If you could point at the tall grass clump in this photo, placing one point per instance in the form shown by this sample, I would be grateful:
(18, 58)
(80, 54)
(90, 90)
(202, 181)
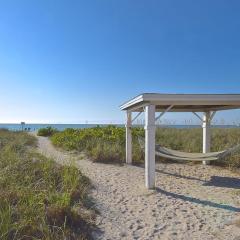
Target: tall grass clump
(190, 140)
(101, 144)
(46, 132)
(107, 144)
(39, 199)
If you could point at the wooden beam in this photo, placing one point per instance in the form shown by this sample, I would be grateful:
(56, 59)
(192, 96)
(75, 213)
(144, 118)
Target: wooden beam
(212, 115)
(129, 138)
(197, 116)
(161, 114)
(150, 146)
(206, 134)
(136, 117)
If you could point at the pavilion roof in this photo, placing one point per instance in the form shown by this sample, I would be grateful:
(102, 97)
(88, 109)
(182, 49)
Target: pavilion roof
(183, 102)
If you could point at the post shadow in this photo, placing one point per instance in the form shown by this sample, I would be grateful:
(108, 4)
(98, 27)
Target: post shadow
(198, 201)
(179, 176)
(224, 182)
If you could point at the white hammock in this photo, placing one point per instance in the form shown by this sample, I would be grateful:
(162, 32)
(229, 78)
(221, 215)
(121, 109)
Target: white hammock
(185, 156)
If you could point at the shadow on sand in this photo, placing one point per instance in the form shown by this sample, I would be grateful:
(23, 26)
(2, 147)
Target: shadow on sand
(215, 181)
(225, 182)
(175, 174)
(198, 201)
(179, 176)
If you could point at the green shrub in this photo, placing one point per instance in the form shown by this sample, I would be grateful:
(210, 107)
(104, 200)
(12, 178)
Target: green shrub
(39, 199)
(107, 144)
(102, 144)
(190, 140)
(46, 132)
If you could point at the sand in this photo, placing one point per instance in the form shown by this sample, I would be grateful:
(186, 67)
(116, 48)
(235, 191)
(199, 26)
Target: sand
(190, 201)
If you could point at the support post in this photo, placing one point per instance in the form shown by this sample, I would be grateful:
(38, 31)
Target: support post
(150, 146)
(206, 134)
(129, 138)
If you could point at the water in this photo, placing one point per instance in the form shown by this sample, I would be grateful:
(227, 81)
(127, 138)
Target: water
(60, 127)
(35, 127)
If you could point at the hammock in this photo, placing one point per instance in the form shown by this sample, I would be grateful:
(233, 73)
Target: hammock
(184, 156)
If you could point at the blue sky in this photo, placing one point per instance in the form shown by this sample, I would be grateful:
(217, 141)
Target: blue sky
(71, 61)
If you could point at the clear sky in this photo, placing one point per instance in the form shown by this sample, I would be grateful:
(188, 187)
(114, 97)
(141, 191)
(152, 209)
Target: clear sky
(71, 61)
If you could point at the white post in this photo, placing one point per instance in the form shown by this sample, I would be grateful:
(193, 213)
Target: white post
(150, 146)
(206, 134)
(129, 138)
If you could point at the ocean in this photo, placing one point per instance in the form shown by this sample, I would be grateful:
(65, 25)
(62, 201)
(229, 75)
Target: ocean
(60, 127)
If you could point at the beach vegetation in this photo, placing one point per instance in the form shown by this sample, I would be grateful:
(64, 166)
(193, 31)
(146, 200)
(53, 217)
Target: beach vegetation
(107, 144)
(101, 144)
(40, 199)
(46, 132)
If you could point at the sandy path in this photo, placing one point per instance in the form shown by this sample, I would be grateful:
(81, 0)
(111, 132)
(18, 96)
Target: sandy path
(190, 202)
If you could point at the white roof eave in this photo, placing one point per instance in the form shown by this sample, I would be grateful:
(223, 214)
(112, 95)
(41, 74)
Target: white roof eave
(221, 100)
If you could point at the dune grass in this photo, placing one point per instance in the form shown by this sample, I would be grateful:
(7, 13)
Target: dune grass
(40, 199)
(101, 144)
(107, 144)
(46, 132)
(190, 140)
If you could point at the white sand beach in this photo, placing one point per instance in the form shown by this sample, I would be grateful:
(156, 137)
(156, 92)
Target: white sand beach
(190, 201)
